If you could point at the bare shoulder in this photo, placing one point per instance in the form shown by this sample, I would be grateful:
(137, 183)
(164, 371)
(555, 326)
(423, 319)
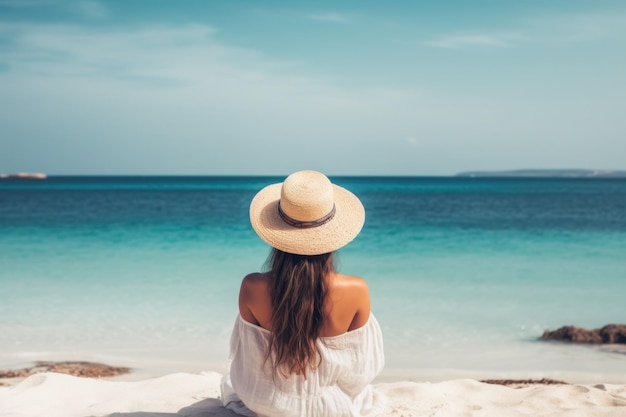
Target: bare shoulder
(255, 279)
(253, 298)
(352, 298)
(252, 285)
(352, 283)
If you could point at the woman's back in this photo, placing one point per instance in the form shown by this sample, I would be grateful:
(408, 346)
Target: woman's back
(338, 387)
(346, 308)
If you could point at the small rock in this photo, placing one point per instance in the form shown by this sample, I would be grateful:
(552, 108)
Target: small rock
(83, 369)
(522, 383)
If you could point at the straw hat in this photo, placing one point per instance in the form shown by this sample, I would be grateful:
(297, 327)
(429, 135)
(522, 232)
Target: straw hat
(306, 214)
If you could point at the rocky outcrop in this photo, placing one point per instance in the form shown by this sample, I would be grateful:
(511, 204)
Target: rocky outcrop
(546, 173)
(609, 334)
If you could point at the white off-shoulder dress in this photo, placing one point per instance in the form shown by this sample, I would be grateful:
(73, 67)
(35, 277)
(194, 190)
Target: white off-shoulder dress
(340, 386)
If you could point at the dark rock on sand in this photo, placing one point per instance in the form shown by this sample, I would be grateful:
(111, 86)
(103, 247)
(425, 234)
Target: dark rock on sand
(609, 334)
(83, 369)
(521, 383)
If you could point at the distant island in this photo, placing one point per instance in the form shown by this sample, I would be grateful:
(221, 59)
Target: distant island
(24, 176)
(547, 173)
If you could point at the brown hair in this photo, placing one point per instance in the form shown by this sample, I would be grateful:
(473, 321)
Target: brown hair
(298, 292)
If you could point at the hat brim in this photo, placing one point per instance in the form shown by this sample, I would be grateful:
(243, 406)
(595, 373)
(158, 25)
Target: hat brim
(339, 231)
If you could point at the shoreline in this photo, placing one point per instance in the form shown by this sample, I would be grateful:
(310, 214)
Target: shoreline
(118, 369)
(588, 364)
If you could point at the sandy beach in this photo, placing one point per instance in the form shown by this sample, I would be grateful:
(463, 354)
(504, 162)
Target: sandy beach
(55, 394)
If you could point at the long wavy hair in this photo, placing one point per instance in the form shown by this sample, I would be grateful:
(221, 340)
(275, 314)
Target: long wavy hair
(298, 292)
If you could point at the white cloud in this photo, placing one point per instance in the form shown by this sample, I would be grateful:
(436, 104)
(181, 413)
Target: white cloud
(576, 27)
(555, 30)
(332, 17)
(460, 41)
(92, 9)
(321, 16)
(66, 50)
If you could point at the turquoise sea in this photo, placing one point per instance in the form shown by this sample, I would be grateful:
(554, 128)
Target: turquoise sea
(465, 273)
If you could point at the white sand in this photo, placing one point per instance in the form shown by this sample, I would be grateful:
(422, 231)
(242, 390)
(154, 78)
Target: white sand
(197, 395)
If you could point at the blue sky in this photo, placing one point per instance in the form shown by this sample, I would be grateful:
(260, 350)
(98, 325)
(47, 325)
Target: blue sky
(353, 87)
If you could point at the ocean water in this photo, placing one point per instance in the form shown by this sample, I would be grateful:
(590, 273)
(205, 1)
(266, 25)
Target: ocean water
(465, 274)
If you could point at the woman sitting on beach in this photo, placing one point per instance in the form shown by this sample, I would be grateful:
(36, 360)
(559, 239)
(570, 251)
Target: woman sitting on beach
(304, 342)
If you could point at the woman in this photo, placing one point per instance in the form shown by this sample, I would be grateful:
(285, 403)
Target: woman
(305, 342)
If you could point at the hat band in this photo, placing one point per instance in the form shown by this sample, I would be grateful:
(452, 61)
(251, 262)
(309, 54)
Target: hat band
(305, 225)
